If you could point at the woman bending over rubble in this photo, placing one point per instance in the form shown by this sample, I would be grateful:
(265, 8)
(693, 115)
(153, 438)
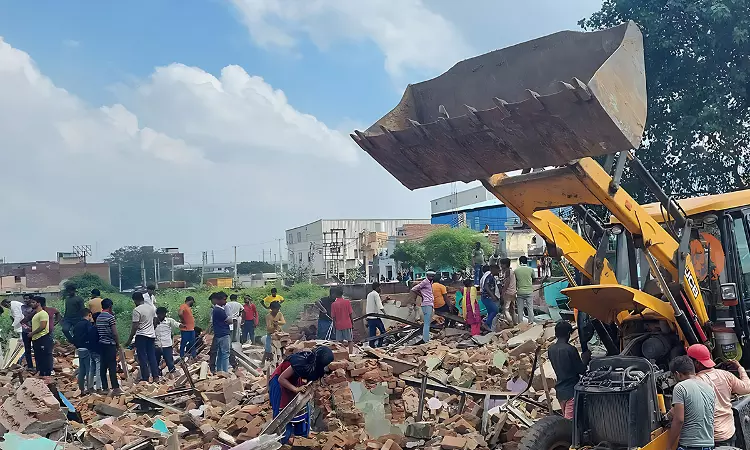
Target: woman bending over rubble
(287, 381)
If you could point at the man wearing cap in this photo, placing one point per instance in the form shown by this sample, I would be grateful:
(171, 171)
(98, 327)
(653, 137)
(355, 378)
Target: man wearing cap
(568, 366)
(724, 384)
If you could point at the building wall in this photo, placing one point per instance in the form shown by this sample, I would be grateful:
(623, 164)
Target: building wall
(460, 199)
(306, 241)
(46, 275)
(496, 217)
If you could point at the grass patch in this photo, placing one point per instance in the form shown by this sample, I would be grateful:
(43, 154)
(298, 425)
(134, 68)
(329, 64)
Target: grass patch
(294, 300)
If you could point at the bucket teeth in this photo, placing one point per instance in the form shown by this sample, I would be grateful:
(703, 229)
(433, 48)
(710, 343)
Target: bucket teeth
(534, 96)
(443, 112)
(502, 106)
(581, 90)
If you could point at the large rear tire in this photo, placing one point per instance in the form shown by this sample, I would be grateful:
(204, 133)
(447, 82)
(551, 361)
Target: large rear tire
(548, 433)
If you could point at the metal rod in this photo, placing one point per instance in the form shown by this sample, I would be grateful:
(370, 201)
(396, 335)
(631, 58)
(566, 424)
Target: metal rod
(673, 209)
(422, 392)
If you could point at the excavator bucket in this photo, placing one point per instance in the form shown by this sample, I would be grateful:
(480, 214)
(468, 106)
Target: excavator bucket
(539, 103)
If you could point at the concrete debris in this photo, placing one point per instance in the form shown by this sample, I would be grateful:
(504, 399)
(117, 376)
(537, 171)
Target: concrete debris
(369, 401)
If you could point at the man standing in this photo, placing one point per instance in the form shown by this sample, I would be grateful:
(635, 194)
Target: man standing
(16, 313)
(95, 304)
(142, 329)
(82, 335)
(568, 366)
(424, 290)
(250, 320)
(109, 343)
(524, 287)
(343, 319)
(149, 297)
(325, 322)
(27, 313)
(509, 288)
(725, 384)
(274, 297)
(692, 408)
(234, 312)
(274, 322)
(477, 258)
(375, 306)
(73, 310)
(41, 339)
(220, 322)
(187, 327)
(489, 294)
(164, 344)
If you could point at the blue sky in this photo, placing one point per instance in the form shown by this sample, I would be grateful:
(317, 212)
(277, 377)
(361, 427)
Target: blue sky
(214, 123)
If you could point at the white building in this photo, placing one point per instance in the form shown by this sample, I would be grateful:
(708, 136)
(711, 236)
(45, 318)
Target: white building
(474, 197)
(331, 247)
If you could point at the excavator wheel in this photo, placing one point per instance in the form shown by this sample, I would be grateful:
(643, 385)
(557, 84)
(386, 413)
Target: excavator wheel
(549, 433)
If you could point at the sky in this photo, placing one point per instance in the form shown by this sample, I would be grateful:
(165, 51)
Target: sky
(210, 124)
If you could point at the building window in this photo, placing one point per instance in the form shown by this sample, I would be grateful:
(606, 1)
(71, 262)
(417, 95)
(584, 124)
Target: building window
(289, 239)
(300, 258)
(299, 236)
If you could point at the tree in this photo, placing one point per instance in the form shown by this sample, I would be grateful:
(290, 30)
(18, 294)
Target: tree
(698, 83)
(452, 247)
(128, 259)
(409, 254)
(249, 267)
(85, 282)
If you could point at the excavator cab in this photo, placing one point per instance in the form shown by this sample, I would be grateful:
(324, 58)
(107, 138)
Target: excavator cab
(567, 111)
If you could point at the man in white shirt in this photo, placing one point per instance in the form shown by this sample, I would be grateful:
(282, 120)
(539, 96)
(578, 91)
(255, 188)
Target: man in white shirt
(164, 343)
(375, 306)
(150, 296)
(234, 309)
(142, 329)
(16, 313)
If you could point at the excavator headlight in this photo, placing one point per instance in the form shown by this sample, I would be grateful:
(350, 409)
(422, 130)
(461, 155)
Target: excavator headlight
(729, 294)
(616, 229)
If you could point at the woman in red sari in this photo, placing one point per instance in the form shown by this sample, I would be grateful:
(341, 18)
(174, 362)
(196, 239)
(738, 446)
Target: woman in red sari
(470, 309)
(290, 378)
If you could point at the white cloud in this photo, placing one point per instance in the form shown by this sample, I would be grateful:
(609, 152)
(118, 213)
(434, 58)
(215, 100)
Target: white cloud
(410, 35)
(186, 159)
(71, 43)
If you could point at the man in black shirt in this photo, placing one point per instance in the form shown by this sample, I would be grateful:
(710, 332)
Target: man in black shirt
(568, 366)
(73, 310)
(324, 315)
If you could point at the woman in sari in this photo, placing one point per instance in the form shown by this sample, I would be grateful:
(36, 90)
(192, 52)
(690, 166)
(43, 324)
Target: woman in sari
(290, 378)
(470, 307)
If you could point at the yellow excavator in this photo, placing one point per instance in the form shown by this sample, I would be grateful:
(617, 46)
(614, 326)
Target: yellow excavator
(554, 123)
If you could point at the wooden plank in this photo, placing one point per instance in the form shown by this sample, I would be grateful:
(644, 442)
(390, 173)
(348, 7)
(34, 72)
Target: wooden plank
(124, 364)
(285, 415)
(203, 373)
(437, 387)
(142, 398)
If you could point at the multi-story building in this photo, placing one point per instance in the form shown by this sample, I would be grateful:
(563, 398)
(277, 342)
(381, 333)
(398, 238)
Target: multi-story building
(47, 276)
(475, 208)
(332, 247)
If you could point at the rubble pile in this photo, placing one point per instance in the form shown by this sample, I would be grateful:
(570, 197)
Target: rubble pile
(454, 392)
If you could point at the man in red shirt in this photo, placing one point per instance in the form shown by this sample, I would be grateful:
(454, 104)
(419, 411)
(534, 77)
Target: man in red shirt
(343, 318)
(249, 320)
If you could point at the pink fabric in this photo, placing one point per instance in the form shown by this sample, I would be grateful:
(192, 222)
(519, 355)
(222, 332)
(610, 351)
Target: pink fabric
(473, 317)
(567, 408)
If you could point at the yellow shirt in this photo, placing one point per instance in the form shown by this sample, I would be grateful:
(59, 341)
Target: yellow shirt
(274, 323)
(95, 305)
(268, 300)
(36, 322)
(439, 292)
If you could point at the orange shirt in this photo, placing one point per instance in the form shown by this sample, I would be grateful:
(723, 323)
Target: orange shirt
(439, 292)
(188, 321)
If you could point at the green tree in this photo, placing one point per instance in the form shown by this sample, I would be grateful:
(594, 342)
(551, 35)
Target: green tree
(128, 259)
(452, 247)
(698, 83)
(249, 267)
(85, 282)
(410, 254)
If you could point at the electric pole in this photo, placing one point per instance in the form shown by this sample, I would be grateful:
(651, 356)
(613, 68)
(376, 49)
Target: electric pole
(204, 260)
(236, 275)
(213, 261)
(156, 271)
(143, 272)
(172, 268)
(119, 275)
(280, 259)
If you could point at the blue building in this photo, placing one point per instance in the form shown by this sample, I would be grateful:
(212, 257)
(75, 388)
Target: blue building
(476, 208)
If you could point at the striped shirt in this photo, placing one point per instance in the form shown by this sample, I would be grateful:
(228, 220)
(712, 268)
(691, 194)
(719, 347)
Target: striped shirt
(104, 323)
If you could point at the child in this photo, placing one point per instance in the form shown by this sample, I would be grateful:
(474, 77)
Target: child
(82, 335)
(343, 319)
(163, 327)
(274, 321)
